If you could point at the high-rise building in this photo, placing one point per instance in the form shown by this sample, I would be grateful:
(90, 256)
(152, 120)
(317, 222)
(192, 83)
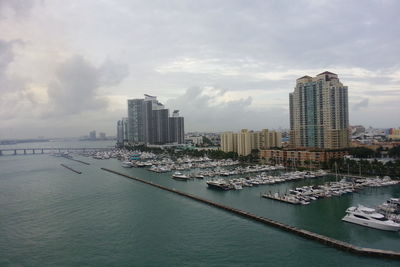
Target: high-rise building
(149, 122)
(319, 114)
(125, 125)
(176, 128)
(92, 135)
(122, 131)
(102, 136)
(245, 141)
(137, 127)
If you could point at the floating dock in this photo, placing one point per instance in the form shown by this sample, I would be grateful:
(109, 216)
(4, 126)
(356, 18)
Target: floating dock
(69, 168)
(270, 196)
(300, 232)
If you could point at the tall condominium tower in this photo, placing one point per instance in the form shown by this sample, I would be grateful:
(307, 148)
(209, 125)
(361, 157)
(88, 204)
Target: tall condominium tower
(319, 115)
(149, 122)
(122, 131)
(137, 125)
(176, 128)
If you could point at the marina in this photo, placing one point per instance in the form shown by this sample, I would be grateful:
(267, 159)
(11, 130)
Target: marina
(303, 195)
(300, 232)
(263, 179)
(312, 218)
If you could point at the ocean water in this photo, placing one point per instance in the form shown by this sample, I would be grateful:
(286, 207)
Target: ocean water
(50, 216)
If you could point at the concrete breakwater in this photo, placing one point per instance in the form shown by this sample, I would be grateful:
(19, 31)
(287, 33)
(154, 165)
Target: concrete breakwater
(77, 160)
(69, 168)
(300, 232)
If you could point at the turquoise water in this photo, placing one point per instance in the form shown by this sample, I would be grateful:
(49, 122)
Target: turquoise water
(52, 216)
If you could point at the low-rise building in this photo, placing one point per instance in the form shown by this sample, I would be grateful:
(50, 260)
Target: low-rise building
(300, 157)
(245, 141)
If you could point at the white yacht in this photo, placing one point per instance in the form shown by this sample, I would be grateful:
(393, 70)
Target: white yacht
(127, 164)
(369, 217)
(180, 176)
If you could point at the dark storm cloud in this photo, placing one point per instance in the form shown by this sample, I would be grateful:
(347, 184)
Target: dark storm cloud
(76, 86)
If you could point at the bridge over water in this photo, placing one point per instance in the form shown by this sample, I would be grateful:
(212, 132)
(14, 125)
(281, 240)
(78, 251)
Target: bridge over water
(48, 150)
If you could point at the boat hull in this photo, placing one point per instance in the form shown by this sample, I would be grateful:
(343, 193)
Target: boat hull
(371, 224)
(218, 187)
(180, 178)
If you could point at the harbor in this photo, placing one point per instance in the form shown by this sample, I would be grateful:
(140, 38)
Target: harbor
(300, 232)
(303, 195)
(312, 218)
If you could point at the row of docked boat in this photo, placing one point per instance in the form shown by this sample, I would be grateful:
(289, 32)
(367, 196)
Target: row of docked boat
(391, 208)
(262, 179)
(160, 166)
(240, 170)
(122, 154)
(303, 195)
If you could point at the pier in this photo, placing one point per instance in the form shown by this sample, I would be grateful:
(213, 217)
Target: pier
(282, 199)
(297, 231)
(69, 168)
(47, 150)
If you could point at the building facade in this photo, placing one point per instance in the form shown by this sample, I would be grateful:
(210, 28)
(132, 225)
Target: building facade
(300, 157)
(176, 128)
(149, 123)
(122, 131)
(137, 126)
(319, 114)
(245, 141)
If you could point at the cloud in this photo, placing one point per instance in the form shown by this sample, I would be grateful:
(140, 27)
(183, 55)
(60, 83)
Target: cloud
(244, 58)
(112, 73)
(76, 86)
(363, 104)
(18, 7)
(208, 109)
(8, 82)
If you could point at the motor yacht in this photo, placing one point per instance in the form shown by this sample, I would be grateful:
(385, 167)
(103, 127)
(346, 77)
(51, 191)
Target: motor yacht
(127, 164)
(370, 218)
(180, 176)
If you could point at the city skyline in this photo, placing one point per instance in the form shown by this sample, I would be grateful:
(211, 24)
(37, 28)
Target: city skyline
(65, 71)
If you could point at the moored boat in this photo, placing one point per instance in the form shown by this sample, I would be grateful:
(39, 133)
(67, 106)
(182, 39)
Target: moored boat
(370, 218)
(180, 176)
(127, 164)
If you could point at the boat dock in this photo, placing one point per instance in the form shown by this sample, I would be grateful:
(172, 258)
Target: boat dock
(282, 199)
(69, 168)
(297, 231)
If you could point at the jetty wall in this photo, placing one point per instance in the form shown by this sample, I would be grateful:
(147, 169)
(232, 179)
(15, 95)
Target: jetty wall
(69, 168)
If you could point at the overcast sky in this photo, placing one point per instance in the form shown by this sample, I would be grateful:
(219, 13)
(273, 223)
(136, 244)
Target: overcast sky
(68, 67)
